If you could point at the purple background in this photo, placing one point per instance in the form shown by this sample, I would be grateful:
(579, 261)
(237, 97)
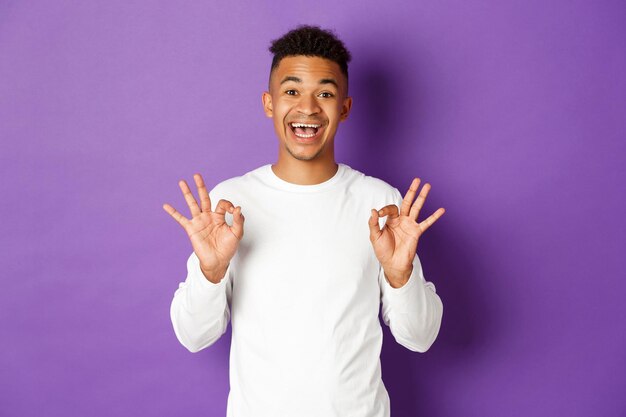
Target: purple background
(514, 112)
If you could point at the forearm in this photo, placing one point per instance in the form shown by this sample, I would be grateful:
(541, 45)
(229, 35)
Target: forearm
(413, 311)
(199, 310)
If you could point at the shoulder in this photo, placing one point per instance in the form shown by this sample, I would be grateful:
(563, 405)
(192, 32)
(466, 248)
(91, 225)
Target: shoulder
(233, 186)
(378, 188)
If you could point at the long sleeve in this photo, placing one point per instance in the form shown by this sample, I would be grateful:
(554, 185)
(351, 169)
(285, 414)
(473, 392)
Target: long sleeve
(414, 311)
(200, 309)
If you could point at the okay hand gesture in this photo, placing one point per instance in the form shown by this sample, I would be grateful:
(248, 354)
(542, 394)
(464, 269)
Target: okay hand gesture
(396, 243)
(213, 240)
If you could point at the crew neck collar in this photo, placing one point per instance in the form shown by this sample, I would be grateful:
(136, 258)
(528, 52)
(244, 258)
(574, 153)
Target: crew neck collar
(278, 182)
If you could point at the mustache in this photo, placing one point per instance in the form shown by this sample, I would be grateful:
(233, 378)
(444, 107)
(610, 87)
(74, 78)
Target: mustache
(307, 121)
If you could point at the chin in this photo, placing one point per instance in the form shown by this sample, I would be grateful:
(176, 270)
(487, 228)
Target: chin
(304, 156)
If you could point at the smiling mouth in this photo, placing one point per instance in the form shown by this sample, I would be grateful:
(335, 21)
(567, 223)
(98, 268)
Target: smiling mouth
(304, 130)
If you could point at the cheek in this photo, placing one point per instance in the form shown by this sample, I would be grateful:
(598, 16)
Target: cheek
(333, 110)
(334, 116)
(281, 110)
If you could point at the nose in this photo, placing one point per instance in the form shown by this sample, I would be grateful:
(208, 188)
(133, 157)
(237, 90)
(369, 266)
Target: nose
(308, 104)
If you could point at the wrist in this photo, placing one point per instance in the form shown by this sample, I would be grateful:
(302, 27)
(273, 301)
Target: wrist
(214, 274)
(397, 278)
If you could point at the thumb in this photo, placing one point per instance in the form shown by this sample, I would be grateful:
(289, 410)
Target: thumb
(238, 220)
(373, 224)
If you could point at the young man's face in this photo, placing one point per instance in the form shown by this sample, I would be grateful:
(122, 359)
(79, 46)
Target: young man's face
(309, 90)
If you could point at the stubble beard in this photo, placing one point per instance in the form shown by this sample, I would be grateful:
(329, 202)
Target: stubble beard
(303, 157)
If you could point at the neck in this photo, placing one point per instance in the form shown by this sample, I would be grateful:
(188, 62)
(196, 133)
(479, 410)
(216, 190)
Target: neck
(301, 172)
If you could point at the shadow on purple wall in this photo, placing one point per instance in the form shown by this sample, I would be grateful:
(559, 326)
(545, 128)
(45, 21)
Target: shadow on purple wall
(390, 105)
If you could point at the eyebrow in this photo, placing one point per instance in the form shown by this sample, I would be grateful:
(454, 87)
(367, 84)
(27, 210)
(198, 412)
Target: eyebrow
(299, 80)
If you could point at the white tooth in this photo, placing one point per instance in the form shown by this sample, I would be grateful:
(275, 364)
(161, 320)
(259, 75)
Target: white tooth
(304, 125)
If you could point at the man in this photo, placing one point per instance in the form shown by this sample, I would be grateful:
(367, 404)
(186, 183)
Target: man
(302, 287)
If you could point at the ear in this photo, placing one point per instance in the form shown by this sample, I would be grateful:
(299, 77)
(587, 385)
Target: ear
(267, 104)
(345, 109)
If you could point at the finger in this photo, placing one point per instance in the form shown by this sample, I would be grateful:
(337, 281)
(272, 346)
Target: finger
(205, 200)
(182, 220)
(189, 198)
(373, 225)
(431, 219)
(391, 210)
(419, 202)
(238, 220)
(408, 198)
(224, 206)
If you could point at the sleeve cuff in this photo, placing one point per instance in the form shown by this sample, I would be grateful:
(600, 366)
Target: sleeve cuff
(408, 297)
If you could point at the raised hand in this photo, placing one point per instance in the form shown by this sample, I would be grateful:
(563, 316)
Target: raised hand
(396, 243)
(213, 240)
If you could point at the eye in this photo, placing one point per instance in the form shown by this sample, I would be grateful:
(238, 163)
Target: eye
(291, 91)
(328, 94)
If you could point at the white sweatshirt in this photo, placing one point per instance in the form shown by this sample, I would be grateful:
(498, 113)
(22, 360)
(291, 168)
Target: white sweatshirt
(302, 295)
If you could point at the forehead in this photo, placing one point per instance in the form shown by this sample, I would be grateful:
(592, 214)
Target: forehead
(308, 68)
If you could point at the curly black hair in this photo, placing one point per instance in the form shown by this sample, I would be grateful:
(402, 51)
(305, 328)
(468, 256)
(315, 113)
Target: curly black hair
(311, 40)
